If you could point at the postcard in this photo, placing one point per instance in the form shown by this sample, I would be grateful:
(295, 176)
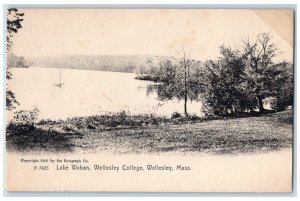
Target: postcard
(149, 100)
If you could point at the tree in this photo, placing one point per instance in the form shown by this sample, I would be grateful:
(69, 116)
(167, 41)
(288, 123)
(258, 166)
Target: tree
(185, 63)
(239, 81)
(224, 83)
(141, 70)
(260, 56)
(14, 19)
(13, 60)
(282, 83)
(13, 23)
(177, 79)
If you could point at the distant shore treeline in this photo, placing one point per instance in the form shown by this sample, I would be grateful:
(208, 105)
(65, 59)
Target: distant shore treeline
(13, 60)
(120, 63)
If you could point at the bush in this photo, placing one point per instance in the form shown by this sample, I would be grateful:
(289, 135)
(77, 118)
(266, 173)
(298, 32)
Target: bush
(25, 117)
(176, 115)
(194, 117)
(19, 129)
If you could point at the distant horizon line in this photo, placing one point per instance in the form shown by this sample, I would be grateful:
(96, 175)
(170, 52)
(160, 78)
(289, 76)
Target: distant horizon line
(140, 55)
(75, 69)
(113, 55)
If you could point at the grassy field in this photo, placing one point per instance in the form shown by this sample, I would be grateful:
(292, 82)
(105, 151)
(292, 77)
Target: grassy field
(121, 133)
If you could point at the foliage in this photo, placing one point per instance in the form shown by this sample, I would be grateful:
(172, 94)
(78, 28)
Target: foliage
(175, 115)
(224, 78)
(259, 72)
(282, 84)
(179, 79)
(14, 19)
(239, 81)
(23, 122)
(10, 100)
(25, 117)
(13, 24)
(16, 61)
(234, 83)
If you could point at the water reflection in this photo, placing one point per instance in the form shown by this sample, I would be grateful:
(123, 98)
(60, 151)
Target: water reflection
(166, 92)
(168, 95)
(150, 89)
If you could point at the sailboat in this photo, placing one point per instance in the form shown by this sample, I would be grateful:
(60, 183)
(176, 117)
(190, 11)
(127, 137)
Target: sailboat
(60, 84)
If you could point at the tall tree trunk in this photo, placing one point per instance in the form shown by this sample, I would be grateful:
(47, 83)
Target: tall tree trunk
(185, 91)
(185, 105)
(186, 74)
(260, 104)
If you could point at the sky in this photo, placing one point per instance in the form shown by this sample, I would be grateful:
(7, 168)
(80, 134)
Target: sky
(49, 32)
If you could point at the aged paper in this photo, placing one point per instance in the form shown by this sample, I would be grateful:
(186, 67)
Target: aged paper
(149, 100)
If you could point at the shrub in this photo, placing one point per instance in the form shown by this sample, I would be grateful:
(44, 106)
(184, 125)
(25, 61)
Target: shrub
(25, 117)
(175, 115)
(19, 129)
(193, 117)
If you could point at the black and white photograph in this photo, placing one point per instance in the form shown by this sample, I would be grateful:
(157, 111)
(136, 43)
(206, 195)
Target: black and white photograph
(149, 100)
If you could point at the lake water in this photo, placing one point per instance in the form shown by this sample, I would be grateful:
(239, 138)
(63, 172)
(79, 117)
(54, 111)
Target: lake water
(89, 93)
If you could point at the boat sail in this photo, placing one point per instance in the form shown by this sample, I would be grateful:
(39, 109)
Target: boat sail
(60, 84)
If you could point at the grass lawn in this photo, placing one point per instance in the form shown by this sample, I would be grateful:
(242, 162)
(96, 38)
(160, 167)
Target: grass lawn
(147, 134)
